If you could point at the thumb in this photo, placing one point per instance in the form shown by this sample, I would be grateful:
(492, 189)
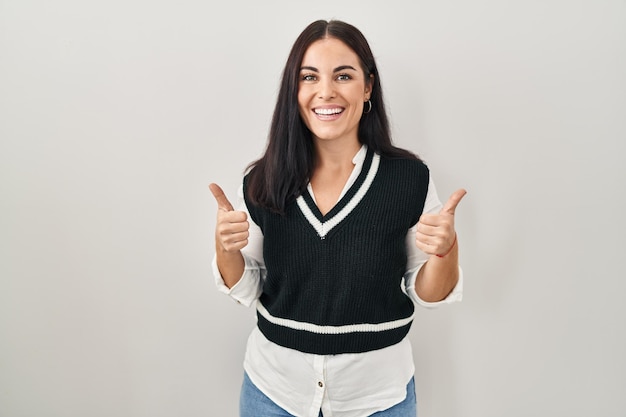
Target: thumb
(453, 201)
(220, 197)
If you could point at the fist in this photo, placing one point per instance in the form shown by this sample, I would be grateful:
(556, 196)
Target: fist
(435, 232)
(231, 229)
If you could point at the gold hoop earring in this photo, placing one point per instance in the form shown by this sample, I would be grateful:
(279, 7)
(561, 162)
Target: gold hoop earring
(370, 107)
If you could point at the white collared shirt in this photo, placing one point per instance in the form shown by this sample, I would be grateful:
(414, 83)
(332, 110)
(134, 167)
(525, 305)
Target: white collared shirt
(344, 385)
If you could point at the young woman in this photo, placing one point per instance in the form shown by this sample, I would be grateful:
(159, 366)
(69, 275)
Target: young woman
(339, 234)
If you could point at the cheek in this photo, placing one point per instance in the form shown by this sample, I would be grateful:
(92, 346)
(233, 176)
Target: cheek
(302, 102)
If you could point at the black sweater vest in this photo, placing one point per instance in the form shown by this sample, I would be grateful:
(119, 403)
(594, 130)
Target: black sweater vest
(333, 282)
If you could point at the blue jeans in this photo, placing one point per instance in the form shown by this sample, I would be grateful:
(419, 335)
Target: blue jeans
(253, 403)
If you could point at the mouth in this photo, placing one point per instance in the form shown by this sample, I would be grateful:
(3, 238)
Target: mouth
(328, 112)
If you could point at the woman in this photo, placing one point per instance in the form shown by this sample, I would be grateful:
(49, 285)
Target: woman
(338, 235)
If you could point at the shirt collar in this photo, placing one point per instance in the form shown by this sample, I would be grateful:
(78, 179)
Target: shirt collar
(360, 155)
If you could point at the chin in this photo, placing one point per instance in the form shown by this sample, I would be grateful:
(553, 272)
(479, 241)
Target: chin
(325, 137)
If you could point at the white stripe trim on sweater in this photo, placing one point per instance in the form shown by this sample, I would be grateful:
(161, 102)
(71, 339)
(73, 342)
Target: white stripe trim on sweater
(322, 229)
(348, 328)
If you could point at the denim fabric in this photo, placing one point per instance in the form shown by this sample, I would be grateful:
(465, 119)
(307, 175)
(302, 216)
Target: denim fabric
(253, 403)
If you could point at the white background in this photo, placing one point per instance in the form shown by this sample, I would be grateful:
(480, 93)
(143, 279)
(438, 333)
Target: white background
(116, 115)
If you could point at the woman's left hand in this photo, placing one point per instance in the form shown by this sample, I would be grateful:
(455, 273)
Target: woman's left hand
(435, 232)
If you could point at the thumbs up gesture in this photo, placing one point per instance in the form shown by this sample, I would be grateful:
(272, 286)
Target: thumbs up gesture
(435, 232)
(231, 229)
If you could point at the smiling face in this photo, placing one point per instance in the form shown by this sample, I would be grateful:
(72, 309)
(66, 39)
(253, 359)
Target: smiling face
(332, 90)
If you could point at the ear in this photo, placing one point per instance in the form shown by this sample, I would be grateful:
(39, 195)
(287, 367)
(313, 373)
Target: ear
(369, 84)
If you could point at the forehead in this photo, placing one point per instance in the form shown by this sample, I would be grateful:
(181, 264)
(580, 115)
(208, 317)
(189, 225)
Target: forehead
(330, 52)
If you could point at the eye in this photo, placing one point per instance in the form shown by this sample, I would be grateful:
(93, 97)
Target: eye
(308, 77)
(344, 77)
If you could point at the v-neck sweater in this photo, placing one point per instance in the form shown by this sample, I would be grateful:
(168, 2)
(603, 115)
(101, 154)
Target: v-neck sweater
(333, 281)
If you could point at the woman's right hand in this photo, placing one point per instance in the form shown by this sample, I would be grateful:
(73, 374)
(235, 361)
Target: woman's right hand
(231, 229)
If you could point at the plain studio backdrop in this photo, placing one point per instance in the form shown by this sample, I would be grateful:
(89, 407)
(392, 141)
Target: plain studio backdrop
(115, 116)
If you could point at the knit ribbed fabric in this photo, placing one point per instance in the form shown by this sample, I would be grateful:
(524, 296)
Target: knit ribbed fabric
(333, 282)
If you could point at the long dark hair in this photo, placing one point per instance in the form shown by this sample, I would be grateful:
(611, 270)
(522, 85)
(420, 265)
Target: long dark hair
(283, 172)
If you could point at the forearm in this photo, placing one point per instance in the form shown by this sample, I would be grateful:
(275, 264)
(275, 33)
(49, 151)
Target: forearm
(438, 276)
(231, 266)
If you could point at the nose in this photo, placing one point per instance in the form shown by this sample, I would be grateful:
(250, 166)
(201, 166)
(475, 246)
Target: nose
(326, 89)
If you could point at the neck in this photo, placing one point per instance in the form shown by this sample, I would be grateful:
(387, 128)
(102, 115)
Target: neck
(335, 154)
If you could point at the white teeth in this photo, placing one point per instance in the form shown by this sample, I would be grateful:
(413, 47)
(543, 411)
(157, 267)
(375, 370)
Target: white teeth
(328, 111)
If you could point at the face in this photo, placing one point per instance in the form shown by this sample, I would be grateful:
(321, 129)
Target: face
(332, 90)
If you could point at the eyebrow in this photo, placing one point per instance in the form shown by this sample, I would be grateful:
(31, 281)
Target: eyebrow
(339, 68)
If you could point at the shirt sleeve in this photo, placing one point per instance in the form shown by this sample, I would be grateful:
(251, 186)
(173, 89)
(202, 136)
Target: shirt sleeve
(249, 286)
(416, 258)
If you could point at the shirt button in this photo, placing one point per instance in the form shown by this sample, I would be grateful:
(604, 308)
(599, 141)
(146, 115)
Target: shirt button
(320, 384)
